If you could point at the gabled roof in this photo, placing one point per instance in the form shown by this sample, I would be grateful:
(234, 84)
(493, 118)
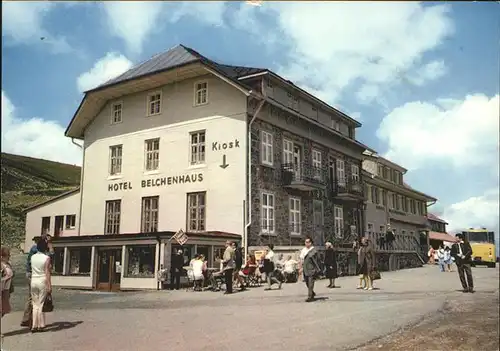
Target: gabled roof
(433, 217)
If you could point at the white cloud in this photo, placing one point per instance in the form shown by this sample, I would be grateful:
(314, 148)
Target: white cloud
(135, 21)
(456, 133)
(475, 212)
(22, 23)
(106, 68)
(340, 45)
(36, 137)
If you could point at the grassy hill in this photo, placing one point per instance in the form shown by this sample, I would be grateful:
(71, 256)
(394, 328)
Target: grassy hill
(27, 181)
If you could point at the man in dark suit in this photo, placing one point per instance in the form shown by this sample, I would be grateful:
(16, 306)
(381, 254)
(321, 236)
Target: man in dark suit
(462, 252)
(310, 267)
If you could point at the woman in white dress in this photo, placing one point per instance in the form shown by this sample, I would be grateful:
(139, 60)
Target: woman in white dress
(41, 284)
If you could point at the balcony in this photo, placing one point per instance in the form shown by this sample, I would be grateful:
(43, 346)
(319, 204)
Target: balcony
(348, 189)
(304, 177)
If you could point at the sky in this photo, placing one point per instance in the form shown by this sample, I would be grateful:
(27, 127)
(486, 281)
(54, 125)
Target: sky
(422, 78)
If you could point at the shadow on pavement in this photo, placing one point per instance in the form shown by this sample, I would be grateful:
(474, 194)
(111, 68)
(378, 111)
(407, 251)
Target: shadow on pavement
(53, 327)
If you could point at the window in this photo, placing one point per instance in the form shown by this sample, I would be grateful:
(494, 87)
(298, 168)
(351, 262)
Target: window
(386, 172)
(149, 217)
(398, 202)
(200, 93)
(116, 113)
(141, 261)
(368, 192)
(115, 160)
(419, 208)
(355, 173)
(269, 84)
(316, 163)
(267, 148)
(198, 148)
(384, 197)
(287, 153)
(338, 221)
(375, 195)
(294, 218)
(404, 204)
(45, 225)
(340, 172)
(369, 227)
(113, 212)
(58, 261)
(380, 170)
(196, 211)
(335, 124)
(394, 201)
(79, 260)
(267, 213)
(154, 103)
(70, 221)
(412, 206)
(152, 154)
(318, 219)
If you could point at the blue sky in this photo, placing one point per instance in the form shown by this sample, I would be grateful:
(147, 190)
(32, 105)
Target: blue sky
(423, 79)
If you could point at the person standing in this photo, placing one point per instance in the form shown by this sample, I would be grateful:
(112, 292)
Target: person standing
(310, 267)
(330, 264)
(366, 264)
(462, 251)
(440, 255)
(238, 261)
(269, 268)
(431, 254)
(41, 284)
(228, 267)
(176, 265)
(7, 275)
(27, 320)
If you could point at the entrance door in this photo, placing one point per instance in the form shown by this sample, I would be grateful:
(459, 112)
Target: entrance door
(109, 269)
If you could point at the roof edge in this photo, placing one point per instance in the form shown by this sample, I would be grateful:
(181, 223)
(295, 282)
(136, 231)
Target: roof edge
(55, 198)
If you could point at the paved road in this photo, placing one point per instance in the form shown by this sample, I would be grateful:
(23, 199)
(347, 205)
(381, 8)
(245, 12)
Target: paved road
(271, 320)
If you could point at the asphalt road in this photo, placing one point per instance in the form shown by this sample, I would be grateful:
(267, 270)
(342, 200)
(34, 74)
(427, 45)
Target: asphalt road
(277, 320)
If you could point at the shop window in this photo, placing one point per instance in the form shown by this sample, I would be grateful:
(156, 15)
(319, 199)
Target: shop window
(58, 261)
(141, 261)
(79, 260)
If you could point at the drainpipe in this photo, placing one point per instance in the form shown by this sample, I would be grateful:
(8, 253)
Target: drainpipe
(81, 185)
(249, 170)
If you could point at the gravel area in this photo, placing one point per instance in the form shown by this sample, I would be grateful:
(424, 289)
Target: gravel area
(342, 319)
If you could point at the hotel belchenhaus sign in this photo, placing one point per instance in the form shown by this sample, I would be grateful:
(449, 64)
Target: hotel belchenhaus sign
(157, 182)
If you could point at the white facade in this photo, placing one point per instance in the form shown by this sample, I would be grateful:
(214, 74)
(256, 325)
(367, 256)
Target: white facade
(221, 121)
(60, 213)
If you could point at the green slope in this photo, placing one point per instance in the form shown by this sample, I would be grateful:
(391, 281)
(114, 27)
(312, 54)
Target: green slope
(27, 181)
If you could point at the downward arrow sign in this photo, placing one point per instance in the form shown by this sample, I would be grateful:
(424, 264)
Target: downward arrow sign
(224, 164)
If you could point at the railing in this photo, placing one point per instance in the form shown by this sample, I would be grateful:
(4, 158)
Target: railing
(348, 186)
(400, 243)
(293, 173)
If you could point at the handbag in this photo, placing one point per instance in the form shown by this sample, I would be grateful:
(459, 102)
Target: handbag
(375, 275)
(48, 305)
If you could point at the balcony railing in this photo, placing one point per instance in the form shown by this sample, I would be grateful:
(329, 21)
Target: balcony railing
(302, 176)
(348, 188)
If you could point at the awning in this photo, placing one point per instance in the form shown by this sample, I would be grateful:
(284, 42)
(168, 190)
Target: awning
(442, 237)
